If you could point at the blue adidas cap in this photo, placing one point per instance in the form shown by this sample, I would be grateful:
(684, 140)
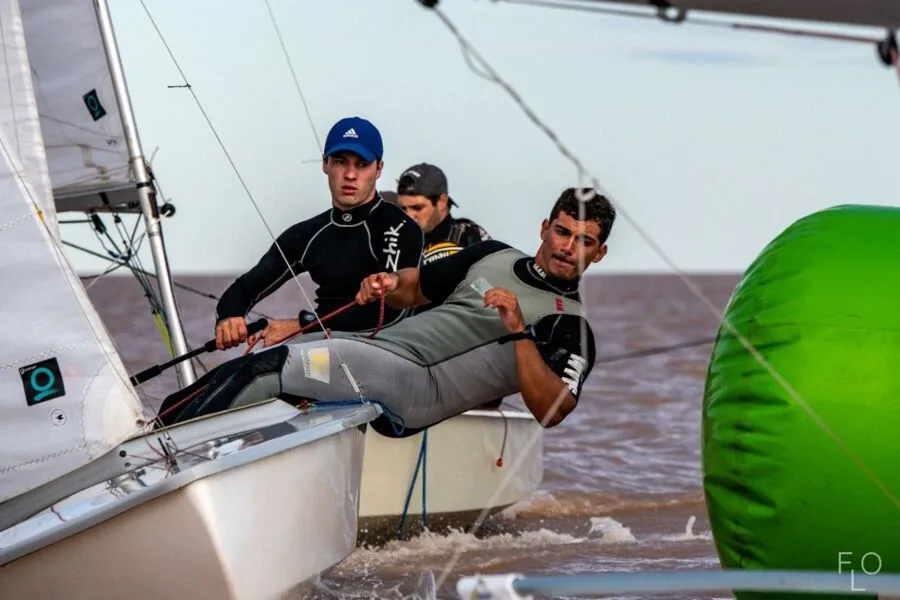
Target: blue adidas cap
(356, 135)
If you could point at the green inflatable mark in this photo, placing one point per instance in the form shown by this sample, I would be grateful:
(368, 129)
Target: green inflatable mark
(821, 304)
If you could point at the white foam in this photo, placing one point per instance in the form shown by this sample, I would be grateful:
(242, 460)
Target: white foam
(610, 530)
(689, 533)
(528, 505)
(429, 544)
(425, 589)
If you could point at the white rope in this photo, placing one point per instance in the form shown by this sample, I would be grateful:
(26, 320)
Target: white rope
(287, 58)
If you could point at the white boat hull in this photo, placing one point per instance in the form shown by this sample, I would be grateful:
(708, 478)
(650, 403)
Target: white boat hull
(274, 510)
(463, 481)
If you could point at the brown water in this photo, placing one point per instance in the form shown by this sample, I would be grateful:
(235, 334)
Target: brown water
(622, 473)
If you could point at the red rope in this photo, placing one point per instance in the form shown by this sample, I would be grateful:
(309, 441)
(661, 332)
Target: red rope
(335, 313)
(505, 432)
(322, 320)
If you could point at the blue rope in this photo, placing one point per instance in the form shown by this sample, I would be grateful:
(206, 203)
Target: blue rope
(420, 463)
(424, 452)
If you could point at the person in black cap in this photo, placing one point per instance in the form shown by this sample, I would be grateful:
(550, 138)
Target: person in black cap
(389, 196)
(359, 235)
(422, 192)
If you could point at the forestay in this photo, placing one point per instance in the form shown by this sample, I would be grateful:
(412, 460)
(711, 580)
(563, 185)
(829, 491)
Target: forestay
(64, 392)
(80, 119)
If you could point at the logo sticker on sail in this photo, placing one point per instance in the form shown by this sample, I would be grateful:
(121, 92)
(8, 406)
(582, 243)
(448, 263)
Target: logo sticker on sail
(92, 101)
(42, 381)
(316, 364)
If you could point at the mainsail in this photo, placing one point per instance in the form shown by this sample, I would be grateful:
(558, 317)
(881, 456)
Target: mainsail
(65, 398)
(80, 119)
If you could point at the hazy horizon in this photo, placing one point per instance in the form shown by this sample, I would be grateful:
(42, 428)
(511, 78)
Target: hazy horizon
(595, 271)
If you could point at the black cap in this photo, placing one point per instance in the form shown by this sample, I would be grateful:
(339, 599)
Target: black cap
(423, 180)
(389, 196)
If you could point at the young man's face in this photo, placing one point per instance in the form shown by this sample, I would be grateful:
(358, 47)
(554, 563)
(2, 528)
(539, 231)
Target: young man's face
(351, 178)
(421, 209)
(568, 246)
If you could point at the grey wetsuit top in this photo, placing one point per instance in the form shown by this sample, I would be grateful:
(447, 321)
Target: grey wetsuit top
(456, 342)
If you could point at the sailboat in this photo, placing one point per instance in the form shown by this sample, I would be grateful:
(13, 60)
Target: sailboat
(95, 502)
(451, 476)
(408, 484)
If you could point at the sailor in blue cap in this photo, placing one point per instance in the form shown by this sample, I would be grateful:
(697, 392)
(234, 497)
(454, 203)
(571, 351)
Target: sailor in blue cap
(360, 234)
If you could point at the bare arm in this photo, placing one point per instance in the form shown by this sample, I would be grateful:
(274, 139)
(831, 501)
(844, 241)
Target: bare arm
(400, 289)
(550, 387)
(545, 394)
(408, 292)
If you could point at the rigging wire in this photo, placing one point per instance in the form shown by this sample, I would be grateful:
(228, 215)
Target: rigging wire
(706, 22)
(468, 48)
(146, 273)
(190, 88)
(886, 47)
(128, 256)
(655, 350)
(287, 58)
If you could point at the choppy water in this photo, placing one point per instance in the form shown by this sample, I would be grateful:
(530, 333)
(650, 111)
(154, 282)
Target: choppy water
(622, 474)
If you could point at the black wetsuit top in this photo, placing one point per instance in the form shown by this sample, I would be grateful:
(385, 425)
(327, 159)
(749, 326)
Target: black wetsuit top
(338, 249)
(451, 236)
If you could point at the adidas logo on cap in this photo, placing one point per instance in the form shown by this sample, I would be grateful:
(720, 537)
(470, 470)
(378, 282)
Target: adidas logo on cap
(350, 133)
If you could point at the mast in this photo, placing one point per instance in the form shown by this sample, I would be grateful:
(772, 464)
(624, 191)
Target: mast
(148, 204)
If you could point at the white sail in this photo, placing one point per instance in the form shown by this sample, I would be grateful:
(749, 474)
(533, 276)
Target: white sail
(80, 119)
(20, 126)
(65, 398)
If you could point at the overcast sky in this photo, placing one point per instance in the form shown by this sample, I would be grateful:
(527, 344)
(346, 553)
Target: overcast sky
(711, 140)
